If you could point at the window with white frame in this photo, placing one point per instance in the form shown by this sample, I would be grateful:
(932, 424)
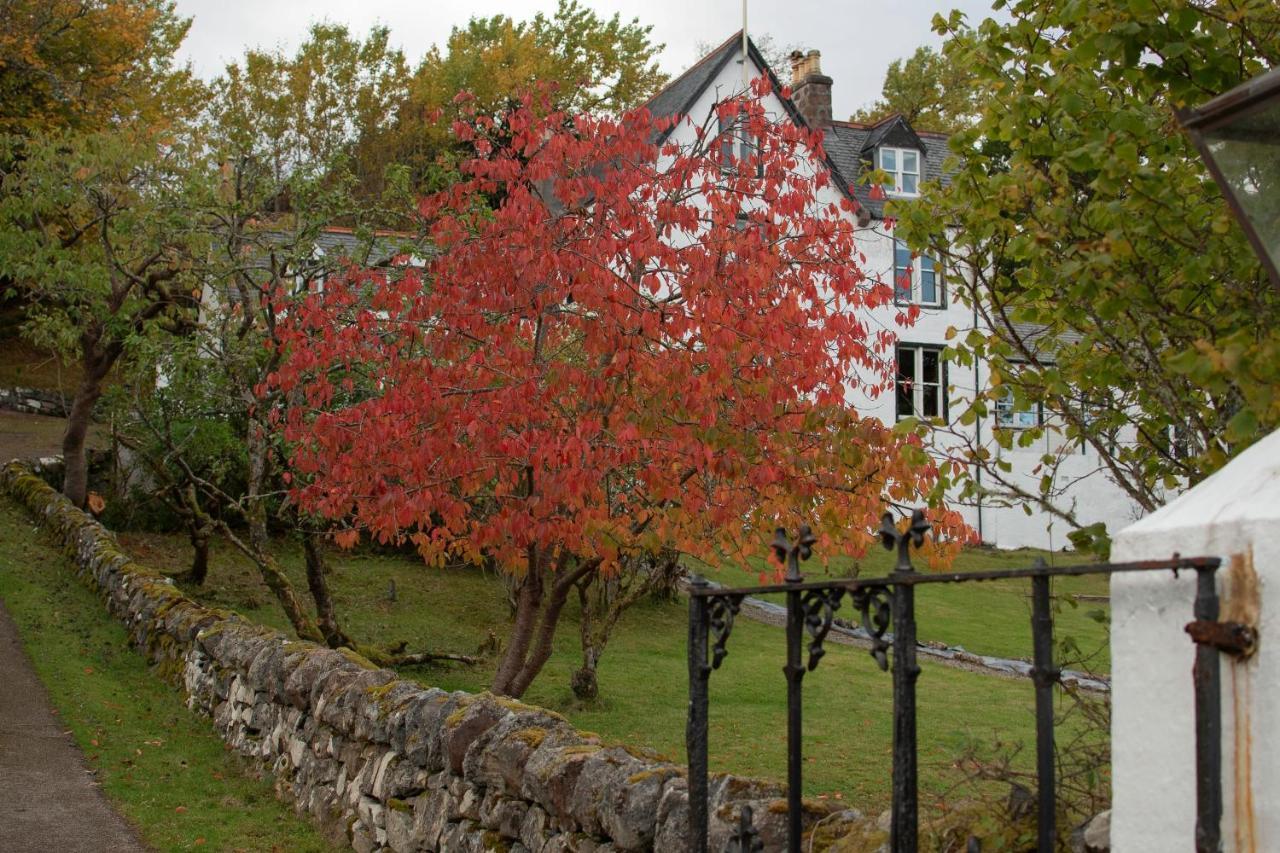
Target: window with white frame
(915, 278)
(920, 384)
(903, 165)
(1010, 414)
(736, 141)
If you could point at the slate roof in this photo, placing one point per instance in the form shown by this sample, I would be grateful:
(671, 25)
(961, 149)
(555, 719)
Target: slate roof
(337, 243)
(678, 96)
(1036, 337)
(848, 145)
(851, 146)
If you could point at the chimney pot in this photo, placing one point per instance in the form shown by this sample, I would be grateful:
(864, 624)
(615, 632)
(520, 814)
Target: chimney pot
(810, 88)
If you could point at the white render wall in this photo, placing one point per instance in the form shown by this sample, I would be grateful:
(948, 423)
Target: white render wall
(1236, 511)
(1088, 492)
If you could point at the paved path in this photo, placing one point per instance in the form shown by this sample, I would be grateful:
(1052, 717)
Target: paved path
(48, 799)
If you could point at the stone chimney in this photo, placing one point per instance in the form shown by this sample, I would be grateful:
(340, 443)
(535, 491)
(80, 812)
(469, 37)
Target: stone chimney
(811, 89)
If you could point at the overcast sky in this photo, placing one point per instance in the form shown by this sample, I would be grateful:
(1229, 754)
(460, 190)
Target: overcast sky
(858, 38)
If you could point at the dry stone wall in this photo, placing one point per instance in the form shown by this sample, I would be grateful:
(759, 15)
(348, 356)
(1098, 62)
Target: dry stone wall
(384, 763)
(33, 401)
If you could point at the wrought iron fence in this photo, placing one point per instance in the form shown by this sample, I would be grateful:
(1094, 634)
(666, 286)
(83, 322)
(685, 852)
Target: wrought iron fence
(890, 601)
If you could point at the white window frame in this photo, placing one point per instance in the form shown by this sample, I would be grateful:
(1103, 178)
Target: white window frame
(918, 386)
(898, 171)
(1007, 416)
(916, 271)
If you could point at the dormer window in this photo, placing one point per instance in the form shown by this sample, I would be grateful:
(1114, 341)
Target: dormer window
(903, 166)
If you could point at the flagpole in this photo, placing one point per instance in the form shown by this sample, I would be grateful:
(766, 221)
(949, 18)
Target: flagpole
(746, 80)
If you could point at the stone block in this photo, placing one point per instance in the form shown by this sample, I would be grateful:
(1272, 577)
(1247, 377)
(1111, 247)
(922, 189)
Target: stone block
(465, 725)
(498, 757)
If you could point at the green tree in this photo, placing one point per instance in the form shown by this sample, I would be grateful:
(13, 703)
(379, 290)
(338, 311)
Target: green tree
(931, 90)
(96, 236)
(1117, 289)
(589, 64)
(328, 108)
(87, 64)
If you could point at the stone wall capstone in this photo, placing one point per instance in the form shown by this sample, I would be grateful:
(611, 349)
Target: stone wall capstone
(383, 763)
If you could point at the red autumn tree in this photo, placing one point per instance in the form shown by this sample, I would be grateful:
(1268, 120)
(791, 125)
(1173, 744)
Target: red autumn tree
(615, 347)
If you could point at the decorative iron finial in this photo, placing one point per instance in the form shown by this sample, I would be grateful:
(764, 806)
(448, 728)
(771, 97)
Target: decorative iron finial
(891, 537)
(745, 838)
(790, 554)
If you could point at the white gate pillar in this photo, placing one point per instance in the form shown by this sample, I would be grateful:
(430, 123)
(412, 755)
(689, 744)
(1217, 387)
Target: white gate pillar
(1233, 514)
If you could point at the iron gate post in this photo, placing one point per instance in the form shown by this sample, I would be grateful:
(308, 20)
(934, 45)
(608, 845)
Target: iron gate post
(1208, 692)
(795, 675)
(1045, 676)
(903, 828)
(696, 725)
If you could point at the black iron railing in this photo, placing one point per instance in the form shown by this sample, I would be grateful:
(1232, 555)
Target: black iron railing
(890, 600)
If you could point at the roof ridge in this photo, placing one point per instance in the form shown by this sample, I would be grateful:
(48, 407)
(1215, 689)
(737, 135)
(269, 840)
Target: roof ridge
(695, 66)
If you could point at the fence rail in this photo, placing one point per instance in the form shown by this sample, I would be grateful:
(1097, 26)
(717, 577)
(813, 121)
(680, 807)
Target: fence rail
(890, 601)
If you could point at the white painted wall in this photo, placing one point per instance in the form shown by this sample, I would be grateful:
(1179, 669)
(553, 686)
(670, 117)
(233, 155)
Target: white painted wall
(1091, 495)
(1237, 510)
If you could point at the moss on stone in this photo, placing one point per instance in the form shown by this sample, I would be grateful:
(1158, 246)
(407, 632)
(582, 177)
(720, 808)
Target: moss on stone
(357, 659)
(463, 704)
(399, 805)
(663, 773)
(494, 841)
(806, 805)
(520, 707)
(532, 736)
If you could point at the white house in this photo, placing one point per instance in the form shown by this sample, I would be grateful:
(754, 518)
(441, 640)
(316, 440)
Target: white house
(926, 385)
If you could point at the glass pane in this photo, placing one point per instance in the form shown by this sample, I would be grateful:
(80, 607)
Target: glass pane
(901, 271)
(930, 401)
(905, 382)
(930, 359)
(1246, 151)
(928, 287)
(910, 183)
(888, 159)
(906, 363)
(911, 162)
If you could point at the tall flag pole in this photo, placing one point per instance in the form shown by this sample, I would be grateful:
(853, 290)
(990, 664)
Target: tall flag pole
(746, 80)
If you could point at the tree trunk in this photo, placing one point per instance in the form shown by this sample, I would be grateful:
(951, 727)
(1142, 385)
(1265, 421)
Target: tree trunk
(255, 510)
(528, 603)
(199, 555)
(200, 529)
(583, 682)
(326, 617)
(75, 478)
(604, 600)
(543, 594)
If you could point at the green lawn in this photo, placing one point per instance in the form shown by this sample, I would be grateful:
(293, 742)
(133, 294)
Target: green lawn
(643, 675)
(163, 767)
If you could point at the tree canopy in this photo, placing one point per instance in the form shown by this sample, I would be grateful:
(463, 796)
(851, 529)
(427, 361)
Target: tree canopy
(1121, 294)
(77, 65)
(931, 90)
(618, 358)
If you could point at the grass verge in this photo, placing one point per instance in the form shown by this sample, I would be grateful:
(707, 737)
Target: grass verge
(162, 766)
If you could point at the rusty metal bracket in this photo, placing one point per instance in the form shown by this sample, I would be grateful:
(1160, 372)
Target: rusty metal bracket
(1230, 637)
